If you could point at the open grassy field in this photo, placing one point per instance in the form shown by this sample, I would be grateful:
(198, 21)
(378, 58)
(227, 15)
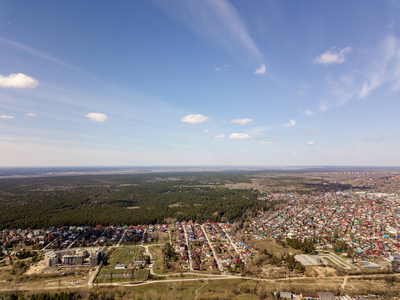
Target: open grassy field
(126, 275)
(158, 259)
(126, 256)
(389, 286)
(271, 247)
(201, 289)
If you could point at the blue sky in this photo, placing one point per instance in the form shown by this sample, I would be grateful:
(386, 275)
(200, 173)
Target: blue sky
(209, 82)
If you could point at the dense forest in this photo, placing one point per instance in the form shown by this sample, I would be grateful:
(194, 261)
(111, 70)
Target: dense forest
(124, 199)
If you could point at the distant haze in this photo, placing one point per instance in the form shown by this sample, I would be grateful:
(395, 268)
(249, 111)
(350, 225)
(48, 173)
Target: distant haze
(19, 172)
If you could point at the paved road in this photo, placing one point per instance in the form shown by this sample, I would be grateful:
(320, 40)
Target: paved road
(49, 244)
(213, 250)
(69, 247)
(232, 243)
(93, 277)
(144, 233)
(99, 238)
(122, 238)
(189, 252)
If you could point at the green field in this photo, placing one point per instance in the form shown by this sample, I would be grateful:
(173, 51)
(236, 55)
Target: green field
(126, 275)
(158, 259)
(126, 256)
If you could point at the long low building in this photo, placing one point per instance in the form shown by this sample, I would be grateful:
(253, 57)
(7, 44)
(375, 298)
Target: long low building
(75, 257)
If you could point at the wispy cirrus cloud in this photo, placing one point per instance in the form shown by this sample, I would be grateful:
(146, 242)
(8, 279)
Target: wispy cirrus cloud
(370, 139)
(18, 81)
(312, 130)
(379, 67)
(342, 89)
(218, 136)
(385, 69)
(34, 139)
(37, 53)
(242, 121)
(332, 56)
(218, 21)
(222, 69)
(257, 131)
(195, 119)
(31, 115)
(5, 117)
(47, 57)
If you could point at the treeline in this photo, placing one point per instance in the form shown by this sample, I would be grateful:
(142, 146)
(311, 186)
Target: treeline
(286, 259)
(306, 246)
(58, 296)
(122, 199)
(43, 296)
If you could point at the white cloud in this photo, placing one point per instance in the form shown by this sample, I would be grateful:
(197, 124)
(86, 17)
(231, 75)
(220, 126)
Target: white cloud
(266, 143)
(333, 57)
(141, 140)
(311, 143)
(291, 123)
(295, 153)
(18, 81)
(261, 70)
(242, 121)
(195, 119)
(218, 136)
(206, 131)
(308, 113)
(6, 117)
(240, 136)
(31, 115)
(323, 107)
(97, 117)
